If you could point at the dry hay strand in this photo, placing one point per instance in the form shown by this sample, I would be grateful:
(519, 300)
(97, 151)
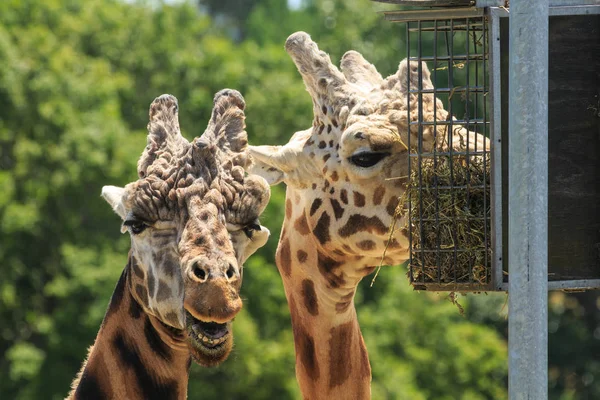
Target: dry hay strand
(448, 199)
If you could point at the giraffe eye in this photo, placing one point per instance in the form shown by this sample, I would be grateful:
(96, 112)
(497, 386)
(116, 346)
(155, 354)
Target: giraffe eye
(135, 226)
(367, 159)
(250, 229)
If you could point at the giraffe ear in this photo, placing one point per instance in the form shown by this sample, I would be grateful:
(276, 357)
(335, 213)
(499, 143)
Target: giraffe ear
(289, 163)
(259, 239)
(114, 196)
(266, 163)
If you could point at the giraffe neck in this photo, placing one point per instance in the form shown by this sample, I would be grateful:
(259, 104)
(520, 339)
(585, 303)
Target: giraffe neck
(133, 357)
(331, 356)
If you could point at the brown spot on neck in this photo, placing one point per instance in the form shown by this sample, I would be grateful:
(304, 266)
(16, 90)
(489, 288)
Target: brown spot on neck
(301, 225)
(378, 195)
(315, 206)
(90, 384)
(321, 230)
(338, 210)
(366, 245)
(135, 310)
(360, 223)
(340, 350)
(310, 297)
(359, 199)
(288, 208)
(328, 268)
(302, 256)
(284, 257)
(156, 344)
(305, 351)
(344, 196)
(144, 377)
(391, 205)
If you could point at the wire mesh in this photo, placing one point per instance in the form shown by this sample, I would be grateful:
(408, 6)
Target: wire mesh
(448, 196)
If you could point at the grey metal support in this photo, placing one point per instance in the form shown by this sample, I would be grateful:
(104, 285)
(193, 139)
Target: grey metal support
(528, 200)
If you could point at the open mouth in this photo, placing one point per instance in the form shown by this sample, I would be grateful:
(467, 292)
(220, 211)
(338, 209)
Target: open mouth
(210, 335)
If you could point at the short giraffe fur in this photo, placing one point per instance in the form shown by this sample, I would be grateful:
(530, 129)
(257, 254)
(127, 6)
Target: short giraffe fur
(344, 177)
(193, 219)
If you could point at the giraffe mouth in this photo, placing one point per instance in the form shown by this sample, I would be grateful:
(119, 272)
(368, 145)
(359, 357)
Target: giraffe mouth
(210, 335)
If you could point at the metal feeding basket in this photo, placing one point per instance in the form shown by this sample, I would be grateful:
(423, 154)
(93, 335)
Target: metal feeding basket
(457, 199)
(448, 200)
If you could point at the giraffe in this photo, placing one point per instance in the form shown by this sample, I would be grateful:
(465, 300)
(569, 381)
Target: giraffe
(344, 177)
(193, 220)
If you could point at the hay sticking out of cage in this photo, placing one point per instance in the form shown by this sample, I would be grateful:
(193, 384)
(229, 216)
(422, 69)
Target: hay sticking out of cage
(448, 200)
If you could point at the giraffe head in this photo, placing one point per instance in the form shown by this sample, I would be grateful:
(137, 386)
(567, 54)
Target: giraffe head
(193, 220)
(350, 168)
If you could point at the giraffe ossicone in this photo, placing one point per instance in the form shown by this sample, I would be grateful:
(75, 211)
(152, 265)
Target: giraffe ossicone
(344, 178)
(193, 219)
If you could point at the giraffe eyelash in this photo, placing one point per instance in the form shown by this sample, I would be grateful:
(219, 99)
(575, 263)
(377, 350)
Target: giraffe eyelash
(250, 229)
(135, 226)
(367, 159)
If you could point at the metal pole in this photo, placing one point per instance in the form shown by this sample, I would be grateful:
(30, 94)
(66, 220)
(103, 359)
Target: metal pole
(528, 201)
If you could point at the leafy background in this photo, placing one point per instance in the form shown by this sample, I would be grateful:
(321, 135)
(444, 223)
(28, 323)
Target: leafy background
(76, 79)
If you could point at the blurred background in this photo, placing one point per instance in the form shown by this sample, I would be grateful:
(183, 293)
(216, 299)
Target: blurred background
(76, 80)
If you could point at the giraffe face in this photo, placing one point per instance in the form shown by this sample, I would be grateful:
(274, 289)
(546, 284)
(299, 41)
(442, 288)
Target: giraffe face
(193, 220)
(357, 190)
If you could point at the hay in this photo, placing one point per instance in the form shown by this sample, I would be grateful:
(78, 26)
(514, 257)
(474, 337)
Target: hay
(449, 200)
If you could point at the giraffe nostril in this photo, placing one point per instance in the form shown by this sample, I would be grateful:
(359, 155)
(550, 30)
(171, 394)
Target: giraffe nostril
(230, 272)
(199, 272)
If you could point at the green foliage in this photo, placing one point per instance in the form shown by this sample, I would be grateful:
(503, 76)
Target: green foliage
(76, 81)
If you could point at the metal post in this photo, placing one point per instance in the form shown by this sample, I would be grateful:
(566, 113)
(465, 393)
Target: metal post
(528, 200)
